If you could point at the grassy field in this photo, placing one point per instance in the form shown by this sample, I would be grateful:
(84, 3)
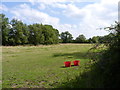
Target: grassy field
(41, 66)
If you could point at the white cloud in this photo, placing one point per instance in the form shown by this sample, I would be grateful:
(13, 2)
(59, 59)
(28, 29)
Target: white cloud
(3, 7)
(62, 1)
(32, 1)
(55, 12)
(42, 6)
(25, 13)
(28, 14)
(100, 14)
(58, 5)
(72, 11)
(93, 16)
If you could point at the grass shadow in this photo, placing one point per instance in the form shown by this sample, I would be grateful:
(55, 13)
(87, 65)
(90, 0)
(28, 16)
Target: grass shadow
(68, 67)
(63, 67)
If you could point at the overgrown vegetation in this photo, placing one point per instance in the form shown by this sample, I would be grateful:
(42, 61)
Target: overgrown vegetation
(110, 59)
(107, 61)
(103, 70)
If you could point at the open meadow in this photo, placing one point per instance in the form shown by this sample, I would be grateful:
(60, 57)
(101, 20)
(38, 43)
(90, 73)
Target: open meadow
(48, 44)
(41, 66)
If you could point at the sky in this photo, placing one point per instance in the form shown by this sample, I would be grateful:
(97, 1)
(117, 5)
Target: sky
(76, 16)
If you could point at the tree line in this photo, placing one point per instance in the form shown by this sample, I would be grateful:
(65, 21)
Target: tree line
(16, 32)
(66, 37)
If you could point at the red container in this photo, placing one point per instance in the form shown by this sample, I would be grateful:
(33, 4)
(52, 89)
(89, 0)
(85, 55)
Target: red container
(76, 63)
(67, 64)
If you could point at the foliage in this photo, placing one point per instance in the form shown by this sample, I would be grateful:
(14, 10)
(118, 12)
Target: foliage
(16, 32)
(66, 37)
(95, 39)
(80, 39)
(108, 62)
(5, 30)
(113, 57)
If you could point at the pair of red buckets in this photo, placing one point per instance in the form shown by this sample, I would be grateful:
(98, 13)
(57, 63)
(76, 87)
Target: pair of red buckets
(68, 63)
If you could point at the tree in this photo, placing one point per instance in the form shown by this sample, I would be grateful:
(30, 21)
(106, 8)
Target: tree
(19, 33)
(80, 39)
(95, 39)
(36, 37)
(51, 35)
(43, 34)
(4, 23)
(89, 40)
(106, 38)
(66, 37)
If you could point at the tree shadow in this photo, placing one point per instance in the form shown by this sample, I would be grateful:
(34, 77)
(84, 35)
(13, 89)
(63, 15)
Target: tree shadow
(75, 55)
(78, 55)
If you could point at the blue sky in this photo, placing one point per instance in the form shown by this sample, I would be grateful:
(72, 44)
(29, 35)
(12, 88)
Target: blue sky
(76, 16)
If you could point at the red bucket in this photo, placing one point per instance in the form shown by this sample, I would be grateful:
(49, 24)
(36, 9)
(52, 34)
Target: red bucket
(76, 63)
(67, 64)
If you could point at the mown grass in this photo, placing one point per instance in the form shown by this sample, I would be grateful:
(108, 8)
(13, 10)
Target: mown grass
(41, 66)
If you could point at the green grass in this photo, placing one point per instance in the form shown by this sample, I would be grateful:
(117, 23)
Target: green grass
(41, 66)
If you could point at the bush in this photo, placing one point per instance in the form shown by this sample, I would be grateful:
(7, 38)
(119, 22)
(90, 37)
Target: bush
(108, 62)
